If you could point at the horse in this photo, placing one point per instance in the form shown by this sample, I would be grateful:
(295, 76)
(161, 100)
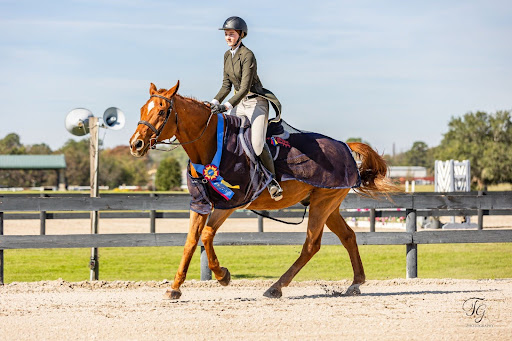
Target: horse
(167, 114)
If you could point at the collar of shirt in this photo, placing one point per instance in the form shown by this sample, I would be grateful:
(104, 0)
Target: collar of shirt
(233, 52)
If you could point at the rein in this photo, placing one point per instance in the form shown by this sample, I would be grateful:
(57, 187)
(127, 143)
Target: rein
(159, 130)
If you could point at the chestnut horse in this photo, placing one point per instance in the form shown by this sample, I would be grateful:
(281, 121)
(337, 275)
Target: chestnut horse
(167, 114)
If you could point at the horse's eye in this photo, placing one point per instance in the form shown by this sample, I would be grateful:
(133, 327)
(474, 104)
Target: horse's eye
(161, 113)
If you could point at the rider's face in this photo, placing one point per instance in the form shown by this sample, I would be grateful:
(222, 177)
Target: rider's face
(231, 37)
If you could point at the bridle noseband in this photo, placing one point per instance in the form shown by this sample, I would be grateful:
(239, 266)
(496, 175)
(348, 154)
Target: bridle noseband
(167, 115)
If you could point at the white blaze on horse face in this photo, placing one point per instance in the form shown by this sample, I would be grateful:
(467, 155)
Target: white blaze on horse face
(151, 105)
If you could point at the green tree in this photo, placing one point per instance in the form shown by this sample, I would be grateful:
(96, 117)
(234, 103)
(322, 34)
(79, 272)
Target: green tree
(417, 155)
(77, 161)
(483, 139)
(39, 149)
(420, 155)
(168, 175)
(11, 145)
(118, 167)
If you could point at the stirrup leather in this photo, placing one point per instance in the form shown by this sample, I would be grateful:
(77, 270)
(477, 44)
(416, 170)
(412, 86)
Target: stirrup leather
(275, 190)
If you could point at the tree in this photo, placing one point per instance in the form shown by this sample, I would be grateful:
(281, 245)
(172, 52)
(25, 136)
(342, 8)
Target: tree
(77, 161)
(420, 155)
(168, 175)
(483, 139)
(118, 167)
(11, 145)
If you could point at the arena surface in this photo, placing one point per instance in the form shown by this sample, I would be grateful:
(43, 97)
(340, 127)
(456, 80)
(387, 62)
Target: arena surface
(426, 309)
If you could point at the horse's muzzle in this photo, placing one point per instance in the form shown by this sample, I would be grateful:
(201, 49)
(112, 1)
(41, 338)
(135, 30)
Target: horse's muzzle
(138, 148)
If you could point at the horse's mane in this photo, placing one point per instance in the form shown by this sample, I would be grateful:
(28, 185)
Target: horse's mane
(188, 99)
(193, 101)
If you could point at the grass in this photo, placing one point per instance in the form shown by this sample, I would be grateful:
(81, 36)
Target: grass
(471, 261)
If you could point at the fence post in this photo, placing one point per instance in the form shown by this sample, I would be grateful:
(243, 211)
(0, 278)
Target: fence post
(480, 214)
(411, 249)
(206, 273)
(372, 219)
(260, 223)
(152, 217)
(94, 160)
(42, 219)
(1, 250)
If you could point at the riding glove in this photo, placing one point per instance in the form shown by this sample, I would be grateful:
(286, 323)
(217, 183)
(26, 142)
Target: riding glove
(218, 108)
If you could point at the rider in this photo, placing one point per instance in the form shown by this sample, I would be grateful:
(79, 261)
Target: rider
(250, 99)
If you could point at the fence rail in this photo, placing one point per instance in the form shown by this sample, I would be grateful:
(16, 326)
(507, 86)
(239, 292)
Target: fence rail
(414, 205)
(116, 202)
(249, 238)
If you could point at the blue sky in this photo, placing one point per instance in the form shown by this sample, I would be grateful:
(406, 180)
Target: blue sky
(388, 72)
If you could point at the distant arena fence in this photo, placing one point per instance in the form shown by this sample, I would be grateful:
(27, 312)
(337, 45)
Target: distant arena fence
(153, 206)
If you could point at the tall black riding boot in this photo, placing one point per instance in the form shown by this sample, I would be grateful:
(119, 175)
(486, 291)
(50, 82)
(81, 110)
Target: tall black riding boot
(275, 190)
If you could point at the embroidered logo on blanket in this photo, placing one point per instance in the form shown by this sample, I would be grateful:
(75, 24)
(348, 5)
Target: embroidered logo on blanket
(274, 140)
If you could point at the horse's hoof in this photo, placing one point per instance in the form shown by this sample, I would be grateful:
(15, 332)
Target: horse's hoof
(172, 294)
(224, 281)
(353, 290)
(273, 293)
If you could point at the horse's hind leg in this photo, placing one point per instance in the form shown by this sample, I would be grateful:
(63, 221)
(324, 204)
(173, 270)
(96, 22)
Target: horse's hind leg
(339, 226)
(197, 222)
(217, 218)
(323, 201)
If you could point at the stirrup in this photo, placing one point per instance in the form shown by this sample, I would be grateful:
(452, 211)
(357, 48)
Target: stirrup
(275, 190)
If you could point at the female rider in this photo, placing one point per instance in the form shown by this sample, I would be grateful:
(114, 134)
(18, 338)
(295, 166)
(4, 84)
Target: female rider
(250, 99)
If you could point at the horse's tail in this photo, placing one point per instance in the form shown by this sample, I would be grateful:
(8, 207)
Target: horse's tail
(373, 169)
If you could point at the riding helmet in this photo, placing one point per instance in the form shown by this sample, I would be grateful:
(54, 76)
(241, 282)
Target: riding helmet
(237, 24)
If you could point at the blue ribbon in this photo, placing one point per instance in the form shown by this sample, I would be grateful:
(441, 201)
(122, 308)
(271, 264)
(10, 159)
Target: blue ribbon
(217, 184)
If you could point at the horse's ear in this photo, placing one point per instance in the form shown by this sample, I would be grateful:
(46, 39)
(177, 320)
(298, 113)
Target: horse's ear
(172, 91)
(152, 89)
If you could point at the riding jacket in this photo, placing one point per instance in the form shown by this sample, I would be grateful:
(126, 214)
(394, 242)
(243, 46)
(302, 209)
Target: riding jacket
(240, 71)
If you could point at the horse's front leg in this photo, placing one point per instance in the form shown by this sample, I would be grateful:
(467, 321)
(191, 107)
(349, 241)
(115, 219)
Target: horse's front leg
(197, 222)
(217, 218)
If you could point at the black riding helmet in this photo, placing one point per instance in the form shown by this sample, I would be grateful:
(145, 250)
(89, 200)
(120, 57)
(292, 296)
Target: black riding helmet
(237, 24)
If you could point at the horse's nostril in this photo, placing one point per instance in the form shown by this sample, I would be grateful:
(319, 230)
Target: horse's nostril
(139, 144)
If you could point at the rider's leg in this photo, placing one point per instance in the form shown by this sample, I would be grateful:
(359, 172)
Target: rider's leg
(259, 122)
(256, 110)
(275, 190)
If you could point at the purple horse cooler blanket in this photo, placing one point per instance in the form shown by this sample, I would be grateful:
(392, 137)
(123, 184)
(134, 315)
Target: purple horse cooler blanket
(235, 177)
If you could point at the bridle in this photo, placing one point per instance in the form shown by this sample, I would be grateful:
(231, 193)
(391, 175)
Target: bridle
(161, 128)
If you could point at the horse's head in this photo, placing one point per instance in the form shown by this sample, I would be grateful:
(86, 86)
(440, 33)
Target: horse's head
(157, 120)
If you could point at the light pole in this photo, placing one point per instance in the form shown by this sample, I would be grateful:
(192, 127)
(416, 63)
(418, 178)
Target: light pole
(80, 122)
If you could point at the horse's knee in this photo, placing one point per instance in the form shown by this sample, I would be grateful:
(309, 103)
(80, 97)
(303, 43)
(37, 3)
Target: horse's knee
(349, 237)
(207, 235)
(313, 248)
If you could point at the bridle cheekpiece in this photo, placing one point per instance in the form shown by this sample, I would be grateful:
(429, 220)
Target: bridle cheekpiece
(159, 130)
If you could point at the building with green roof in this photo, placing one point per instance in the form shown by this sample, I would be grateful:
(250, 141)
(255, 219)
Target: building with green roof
(38, 162)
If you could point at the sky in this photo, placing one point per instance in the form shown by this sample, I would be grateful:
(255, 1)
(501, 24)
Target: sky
(391, 72)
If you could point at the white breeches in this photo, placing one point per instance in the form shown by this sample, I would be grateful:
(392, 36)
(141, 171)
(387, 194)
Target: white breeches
(256, 110)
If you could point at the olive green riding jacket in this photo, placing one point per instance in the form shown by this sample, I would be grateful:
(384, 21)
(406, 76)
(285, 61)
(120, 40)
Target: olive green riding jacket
(240, 71)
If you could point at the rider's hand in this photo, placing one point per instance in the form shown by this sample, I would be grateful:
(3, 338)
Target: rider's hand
(218, 108)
